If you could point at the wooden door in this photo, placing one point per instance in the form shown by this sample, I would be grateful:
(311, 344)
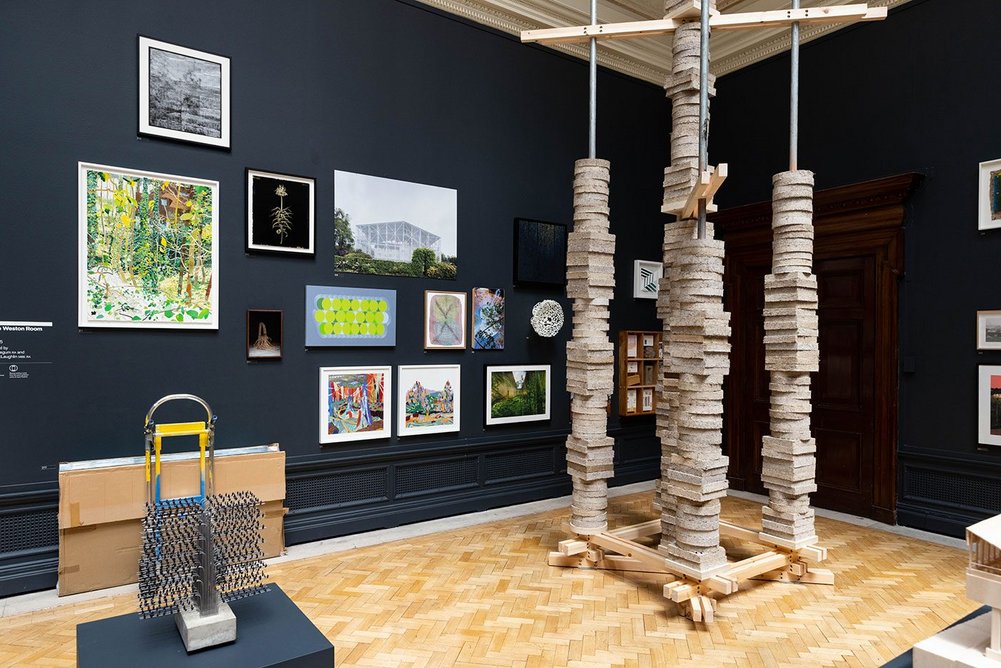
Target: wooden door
(858, 263)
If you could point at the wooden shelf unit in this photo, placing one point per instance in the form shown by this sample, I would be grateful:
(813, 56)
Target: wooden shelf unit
(639, 369)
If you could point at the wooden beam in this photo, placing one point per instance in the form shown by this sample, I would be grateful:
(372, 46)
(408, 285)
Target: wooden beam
(770, 19)
(634, 531)
(572, 546)
(629, 549)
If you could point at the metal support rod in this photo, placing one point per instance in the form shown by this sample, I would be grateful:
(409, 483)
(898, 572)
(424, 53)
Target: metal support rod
(208, 598)
(794, 96)
(592, 117)
(703, 109)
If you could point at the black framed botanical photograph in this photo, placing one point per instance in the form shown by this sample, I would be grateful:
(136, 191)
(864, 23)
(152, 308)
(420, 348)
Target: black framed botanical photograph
(540, 253)
(281, 213)
(183, 93)
(264, 334)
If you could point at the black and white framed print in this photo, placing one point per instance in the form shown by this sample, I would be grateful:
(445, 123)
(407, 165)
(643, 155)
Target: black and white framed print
(281, 213)
(183, 93)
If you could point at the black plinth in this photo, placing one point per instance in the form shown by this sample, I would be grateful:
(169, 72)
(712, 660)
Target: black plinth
(270, 631)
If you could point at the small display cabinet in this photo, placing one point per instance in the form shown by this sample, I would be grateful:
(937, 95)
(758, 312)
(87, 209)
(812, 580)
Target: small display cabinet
(639, 368)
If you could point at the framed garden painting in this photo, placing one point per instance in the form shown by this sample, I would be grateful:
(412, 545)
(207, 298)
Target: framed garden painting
(395, 228)
(281, 213)
(444, 320)
(353, 403)
(148, 249)
(264, 334)
(183, 93)
(989, 204)
(646, 278)
(989, 406)
(338, 316)
(428, 399)
(517, 393)
(488, 319)
(988, 330)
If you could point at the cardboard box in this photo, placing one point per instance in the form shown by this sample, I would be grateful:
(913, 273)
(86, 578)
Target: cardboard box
(101, 510)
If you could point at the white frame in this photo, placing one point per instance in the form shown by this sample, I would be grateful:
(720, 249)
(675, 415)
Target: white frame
(983, 405)
(387, 415)
(491, 370)
(401, 398)
(82, 307)
(251, 246)
(658, 270)
(984, 221)
(145, 43)
(463, 310)
(982, 342)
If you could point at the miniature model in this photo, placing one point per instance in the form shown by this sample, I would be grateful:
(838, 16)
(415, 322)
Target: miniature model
(199, 552)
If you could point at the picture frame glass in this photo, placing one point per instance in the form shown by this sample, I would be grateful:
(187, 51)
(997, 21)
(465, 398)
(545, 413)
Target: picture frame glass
(519, 393)
(280, 213)
(429, 399)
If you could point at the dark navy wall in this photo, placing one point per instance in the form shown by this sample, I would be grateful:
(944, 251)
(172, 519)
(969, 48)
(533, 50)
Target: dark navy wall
(384, 87)
(903, 95)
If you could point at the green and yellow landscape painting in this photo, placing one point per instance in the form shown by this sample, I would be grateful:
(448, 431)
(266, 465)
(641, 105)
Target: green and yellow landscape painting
(148, 244)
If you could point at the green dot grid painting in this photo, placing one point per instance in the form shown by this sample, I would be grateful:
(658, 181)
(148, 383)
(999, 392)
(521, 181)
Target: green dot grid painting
(338, 316)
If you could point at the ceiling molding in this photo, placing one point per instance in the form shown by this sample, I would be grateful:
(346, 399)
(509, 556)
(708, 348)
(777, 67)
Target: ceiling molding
(647, 58)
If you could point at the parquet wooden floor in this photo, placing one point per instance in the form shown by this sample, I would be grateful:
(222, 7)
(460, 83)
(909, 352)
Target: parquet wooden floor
(485, 596)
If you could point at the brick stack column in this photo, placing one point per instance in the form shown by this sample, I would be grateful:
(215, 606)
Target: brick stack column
(791, 353)
(590, 280)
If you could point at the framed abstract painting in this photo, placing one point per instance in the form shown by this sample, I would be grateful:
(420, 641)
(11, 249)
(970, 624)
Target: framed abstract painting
(989, 204)
(429, 399)
(339, 316)
(488, 319)
(183, 93)
(355, 403)
(444, 320)
(149, 249)
(646, 278)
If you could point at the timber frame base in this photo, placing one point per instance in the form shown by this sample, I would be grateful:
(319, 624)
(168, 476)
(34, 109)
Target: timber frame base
(618, 550)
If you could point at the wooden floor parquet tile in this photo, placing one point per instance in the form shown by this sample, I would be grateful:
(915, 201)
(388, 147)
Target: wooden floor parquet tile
(485, 596)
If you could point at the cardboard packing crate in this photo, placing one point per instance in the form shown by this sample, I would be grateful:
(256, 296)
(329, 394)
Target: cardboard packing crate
(101, 509)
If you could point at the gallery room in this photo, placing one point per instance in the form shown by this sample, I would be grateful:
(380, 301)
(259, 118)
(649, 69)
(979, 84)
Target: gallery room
(500, 332)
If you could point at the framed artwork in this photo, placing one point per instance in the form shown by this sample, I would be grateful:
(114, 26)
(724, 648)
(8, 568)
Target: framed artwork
(646, 278)
(337, 316)
(148, 253)
(353, 403)
(989, 406)
(281, 213)
(264, 334)
(394, 228)
(540, 253)
(989, 206)
(183, 93)
(488, 318)
(517, 393)
(444, 320)
(988, 330)
(428, 399)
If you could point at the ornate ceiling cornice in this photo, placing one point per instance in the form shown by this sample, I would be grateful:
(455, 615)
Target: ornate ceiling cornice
(649, 58)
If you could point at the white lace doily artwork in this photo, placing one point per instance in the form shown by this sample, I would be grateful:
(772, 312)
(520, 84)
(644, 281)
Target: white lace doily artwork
(547, 318)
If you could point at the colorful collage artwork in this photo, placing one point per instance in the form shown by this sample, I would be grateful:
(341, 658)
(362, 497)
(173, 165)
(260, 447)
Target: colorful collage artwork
(354, 403)
(488, 319)
(428, 399)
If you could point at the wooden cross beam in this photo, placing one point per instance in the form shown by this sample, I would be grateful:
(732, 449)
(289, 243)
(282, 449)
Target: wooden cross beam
(769, 19)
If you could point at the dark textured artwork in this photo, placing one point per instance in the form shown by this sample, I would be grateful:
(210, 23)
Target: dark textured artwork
(280, 214)
(540, 253)
(185, 93)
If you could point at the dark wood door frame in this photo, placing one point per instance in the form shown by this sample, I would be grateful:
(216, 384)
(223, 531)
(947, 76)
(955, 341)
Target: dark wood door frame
(863, 218)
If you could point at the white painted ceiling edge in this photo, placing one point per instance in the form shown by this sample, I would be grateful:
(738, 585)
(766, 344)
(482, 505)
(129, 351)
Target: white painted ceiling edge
(647, 58)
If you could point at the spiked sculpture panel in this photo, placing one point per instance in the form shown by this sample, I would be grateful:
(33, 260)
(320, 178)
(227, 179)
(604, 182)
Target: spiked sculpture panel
(590, 279)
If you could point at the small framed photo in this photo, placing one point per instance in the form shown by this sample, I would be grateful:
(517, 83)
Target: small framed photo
(988, 330)
(989, 206)
(630, 401)
(355, 404)
(444, 320)
(631, 346)
(646, 278)
(989, 406)
(264, 334)
(183, 93)
(518, 393)
(281, 213)
(429, 399)
(647, 400)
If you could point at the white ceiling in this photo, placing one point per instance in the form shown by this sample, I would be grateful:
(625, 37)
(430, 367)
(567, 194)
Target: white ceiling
(647, 58)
